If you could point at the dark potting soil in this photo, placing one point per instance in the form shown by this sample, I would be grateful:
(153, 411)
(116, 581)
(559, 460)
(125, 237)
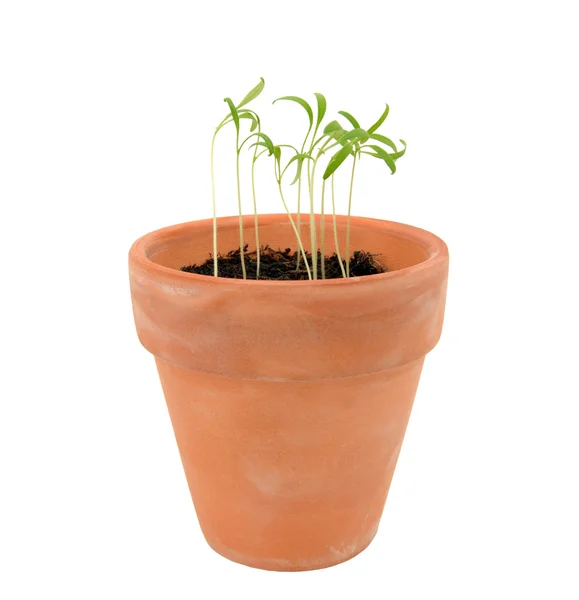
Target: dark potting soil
(282, 265)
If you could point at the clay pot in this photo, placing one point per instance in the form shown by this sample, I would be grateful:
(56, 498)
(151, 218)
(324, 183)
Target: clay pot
(289, 400)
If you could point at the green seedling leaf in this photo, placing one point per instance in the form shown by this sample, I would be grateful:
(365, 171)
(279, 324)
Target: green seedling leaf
(233, 110)
(255, 92)
(264, 145)
(355, 135)
(350, 118)
(358, 136)
(322, 104)
(336, 135)
(257, 145)
(265, 141)
(400, 153)
(249, 111)
(289, 146)
(338, 159)
(386, 141)
(369, 153)
(298, 172)
(302, 103)
(300, 157)
(331, 127)
(387, 158)
(247, 115)
(380, 120)
(332, 130)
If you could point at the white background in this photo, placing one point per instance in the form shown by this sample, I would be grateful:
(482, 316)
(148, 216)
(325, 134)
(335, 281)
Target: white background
(106, 114)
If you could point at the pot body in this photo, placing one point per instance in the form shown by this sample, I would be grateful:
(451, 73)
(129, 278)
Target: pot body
(289, 400)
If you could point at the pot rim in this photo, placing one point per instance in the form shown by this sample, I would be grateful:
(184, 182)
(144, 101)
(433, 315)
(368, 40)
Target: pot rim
(427, 240)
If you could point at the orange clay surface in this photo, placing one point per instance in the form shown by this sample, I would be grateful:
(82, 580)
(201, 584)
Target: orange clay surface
(289, 400)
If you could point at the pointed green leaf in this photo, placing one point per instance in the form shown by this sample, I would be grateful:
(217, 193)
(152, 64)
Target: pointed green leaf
(264, 145)
(300, 157)
(251, 112)
(233, 110)
(369, 153)
(400, 153)
(354, 135)
(265, 141)
(298, 171)
(258, 145)
(387, 158)
(336, 135)
(302, 103)
(358, 136)
(289, 146)
(332, 130)
(249, 116)
(380, 120)
(350, 118)
(382, 138)
(277, 157)
(337, 159)
(321, 108)
(255, 92)
(331, 127)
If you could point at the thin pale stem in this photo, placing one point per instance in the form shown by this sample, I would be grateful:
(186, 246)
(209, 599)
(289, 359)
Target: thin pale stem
(241, 241)
(313, 239)
(336, 243)
(256, 220)
(299, 214)
(349, 212)
(299, 217)
(323, 233)
(215, 265)
(311, 182)
(295, 229)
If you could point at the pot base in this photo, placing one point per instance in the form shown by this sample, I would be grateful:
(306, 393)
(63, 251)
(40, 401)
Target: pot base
(282, 565)
(289, 475)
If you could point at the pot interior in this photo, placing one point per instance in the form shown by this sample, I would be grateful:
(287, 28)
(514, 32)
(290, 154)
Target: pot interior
(193, 242)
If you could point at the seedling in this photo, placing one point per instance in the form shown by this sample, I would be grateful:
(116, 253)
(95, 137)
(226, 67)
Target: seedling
(234, 116)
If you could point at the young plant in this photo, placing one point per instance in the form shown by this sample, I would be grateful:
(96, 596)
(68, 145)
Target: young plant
(321, 106)
(320, 113)
(332, 132)
(234, 116)
(310, 114)
(353, 143)
(268, 145)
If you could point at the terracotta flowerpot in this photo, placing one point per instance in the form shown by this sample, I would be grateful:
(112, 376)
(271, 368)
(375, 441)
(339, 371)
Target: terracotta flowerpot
(289, 400)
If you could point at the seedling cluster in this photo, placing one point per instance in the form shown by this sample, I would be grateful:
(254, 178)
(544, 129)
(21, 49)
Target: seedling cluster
(351, 141)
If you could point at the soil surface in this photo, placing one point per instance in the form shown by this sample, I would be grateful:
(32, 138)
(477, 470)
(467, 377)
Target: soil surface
(282, 265)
